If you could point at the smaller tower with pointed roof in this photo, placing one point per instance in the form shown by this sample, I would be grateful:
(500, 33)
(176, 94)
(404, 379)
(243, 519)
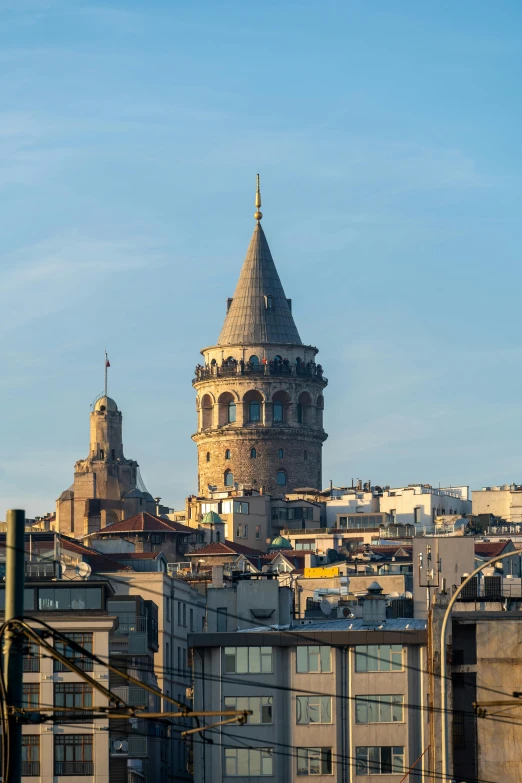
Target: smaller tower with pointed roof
(259, 391)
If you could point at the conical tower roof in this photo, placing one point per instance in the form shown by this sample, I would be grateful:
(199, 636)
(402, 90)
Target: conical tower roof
(259, 312)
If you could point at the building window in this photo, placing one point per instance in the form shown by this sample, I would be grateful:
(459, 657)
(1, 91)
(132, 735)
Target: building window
(261, 707)
(314, 761)
(281, 478)
(248, 660)
(248, 762)
(268, 302)
(102, 454)
(253, 453)
(156, 538)
(222, 619)
(378, 658)
(191, 615)
(227, 454)
(379, 760)
(179, 612)
(299, 413)
(65, 598)
(74, 696)
(281, 453)
(305, 454)
(258, 532)
(314, 709)
(379, 709)
(229, 478)
(242, 531)
(30, 695)
(73, 754)
(30, 755)
(77, 657)
(416, 515)
(254, 360)
(313, 658)
(32, 658)
(254, 411)
(184, 615)
(235, 507)
(231, 412)
(278, 415)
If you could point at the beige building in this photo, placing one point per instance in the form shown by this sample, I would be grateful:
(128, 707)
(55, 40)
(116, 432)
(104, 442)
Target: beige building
(502, 501)
(259, 390)
(340, 700)
(106, 485)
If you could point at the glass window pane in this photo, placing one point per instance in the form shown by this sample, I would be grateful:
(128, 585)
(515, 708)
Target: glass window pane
(361, 660)
(325, 658)
(314, 709)
(396, 654)
(314, 761)
(384, 658)
(242, 660)
(326, 761)
(326, 709)
(266, 762)
(302, 761)
(255, 762)
(242, 761)
(398, 759)
(397, 702)
(374, 759)
(302, 709)
(372, 652)
(302, 659)
(386, 759)
(230, 761)
(254, 660)
(230, 660)
(385, 709)
(361, 761)
(361, 711)
(266, 659)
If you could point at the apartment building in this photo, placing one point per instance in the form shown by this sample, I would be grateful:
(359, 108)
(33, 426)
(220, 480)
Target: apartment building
(337, 700)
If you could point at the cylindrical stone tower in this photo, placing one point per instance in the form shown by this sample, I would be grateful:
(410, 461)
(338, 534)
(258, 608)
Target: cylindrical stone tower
(259, 392)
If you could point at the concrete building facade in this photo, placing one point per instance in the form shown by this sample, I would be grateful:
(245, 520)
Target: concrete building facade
(259, 391)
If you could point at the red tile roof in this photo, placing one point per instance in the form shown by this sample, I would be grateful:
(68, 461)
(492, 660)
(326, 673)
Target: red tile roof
(145, 523)
(490, 548)
(224, 548)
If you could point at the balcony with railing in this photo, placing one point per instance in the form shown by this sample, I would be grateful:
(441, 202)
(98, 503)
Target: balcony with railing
(232, 368)
(74, 768)
(134, 636)
(31, 769)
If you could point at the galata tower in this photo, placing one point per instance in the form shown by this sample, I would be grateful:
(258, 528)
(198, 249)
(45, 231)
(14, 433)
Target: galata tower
(259, 391)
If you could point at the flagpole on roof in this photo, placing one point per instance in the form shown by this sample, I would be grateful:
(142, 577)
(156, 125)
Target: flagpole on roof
(107, 365)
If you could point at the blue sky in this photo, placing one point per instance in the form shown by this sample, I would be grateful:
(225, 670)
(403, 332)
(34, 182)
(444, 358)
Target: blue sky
(387, 136)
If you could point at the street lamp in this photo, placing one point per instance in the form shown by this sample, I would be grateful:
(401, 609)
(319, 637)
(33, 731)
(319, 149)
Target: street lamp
(443, 666)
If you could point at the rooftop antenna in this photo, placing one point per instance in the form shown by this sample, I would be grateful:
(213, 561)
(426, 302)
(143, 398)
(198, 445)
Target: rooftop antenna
(257, 214)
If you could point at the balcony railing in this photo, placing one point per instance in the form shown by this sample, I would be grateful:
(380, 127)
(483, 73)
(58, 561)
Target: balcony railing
(132, 694)
(233, 368)
(135, 625)
(74, 768)
(31, 769)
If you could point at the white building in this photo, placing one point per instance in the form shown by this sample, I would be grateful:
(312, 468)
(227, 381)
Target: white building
(415, 504)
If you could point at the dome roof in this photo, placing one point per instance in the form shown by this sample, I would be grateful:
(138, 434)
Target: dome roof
(135, 493)
(211, 518)
(279, 542)
(105, 404)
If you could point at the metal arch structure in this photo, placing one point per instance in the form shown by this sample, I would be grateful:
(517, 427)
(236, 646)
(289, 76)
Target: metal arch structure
(443, 662)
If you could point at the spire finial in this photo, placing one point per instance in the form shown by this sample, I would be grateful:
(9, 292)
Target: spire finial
(257, 214)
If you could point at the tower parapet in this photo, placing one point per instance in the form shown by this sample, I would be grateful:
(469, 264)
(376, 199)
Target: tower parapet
(259, 390)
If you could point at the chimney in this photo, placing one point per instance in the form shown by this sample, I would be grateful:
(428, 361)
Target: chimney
(217, 576)
(374, 606)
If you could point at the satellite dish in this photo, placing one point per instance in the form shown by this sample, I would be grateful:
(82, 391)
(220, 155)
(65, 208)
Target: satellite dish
(83, 569)
(326, 606)
(121, 746)
(346, 612)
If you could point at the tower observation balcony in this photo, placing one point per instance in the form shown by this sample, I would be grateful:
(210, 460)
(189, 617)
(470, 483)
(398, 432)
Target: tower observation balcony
(232, 368)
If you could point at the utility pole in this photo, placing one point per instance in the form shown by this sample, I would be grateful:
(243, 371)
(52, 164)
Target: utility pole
(13, 649)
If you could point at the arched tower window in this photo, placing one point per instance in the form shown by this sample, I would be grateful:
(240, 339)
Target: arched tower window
(227, 454)
(208, 456)
(281, 453)
(281, 478)
(231, 412)
(253, 401)
(229, 478)
(319, 411)
(253, 453)
(280, 406)
(254, 361)
(206, 412)
(304, 409)
(305, 455)
(226, 404)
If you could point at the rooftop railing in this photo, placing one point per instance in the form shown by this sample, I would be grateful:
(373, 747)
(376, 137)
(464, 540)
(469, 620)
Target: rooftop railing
(234, 368)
